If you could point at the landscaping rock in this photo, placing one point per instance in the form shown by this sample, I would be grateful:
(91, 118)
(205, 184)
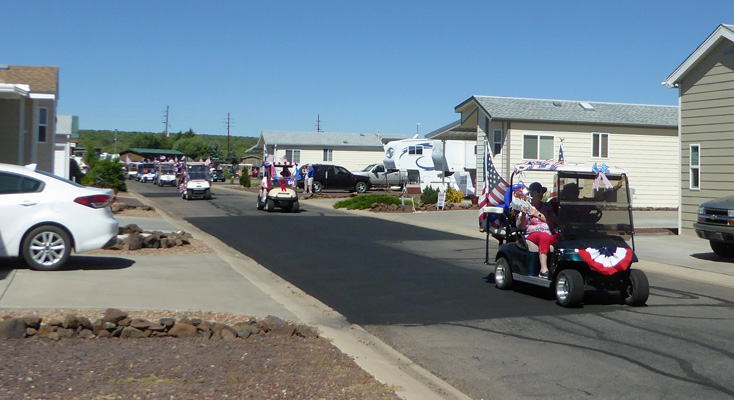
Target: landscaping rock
(114, 315)
(32, 322)
(183, 329)
(134, 241)
(129, 332)
(13, 328)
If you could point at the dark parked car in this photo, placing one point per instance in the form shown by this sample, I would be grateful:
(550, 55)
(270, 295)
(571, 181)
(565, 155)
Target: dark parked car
(336, 177)
(715, 223)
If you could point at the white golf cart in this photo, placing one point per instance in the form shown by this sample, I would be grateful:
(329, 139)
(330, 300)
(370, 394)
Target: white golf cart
(195, 182)
(282, 189)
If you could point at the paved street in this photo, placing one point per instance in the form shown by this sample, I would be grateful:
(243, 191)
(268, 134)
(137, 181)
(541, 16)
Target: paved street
(423, 291)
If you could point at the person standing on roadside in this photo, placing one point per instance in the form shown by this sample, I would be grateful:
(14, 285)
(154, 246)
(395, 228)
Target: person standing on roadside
(309, 182)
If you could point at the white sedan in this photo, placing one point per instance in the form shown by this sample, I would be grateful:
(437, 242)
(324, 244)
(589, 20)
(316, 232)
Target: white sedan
(44, 217)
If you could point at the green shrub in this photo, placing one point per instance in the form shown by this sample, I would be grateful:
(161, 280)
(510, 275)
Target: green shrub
(429, 195)
(453, 195)
(245, 179)
(106, 174)
(366, 201)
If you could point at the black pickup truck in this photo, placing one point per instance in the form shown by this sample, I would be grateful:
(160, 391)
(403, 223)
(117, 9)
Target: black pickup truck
(715, 223)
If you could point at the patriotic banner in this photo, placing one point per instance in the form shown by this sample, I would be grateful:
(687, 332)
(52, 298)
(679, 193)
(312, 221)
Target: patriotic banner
(607, 260)
(494, 190)
(560, 153)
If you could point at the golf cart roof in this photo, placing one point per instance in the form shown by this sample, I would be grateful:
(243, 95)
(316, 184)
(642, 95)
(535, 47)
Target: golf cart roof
(554, 166)
(280, 164)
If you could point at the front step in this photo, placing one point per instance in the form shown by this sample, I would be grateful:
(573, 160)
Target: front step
(533, 280)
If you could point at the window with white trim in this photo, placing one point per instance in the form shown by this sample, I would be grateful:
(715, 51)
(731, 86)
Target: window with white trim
(328, 155)
(293, 156)
(694, 167)
(415, 149)
(536, 147)
(42, 123)
(600, 145)
(497, 141)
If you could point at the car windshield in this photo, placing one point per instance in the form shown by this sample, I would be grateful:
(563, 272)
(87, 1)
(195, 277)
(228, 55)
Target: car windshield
(368, 168)
(193, 175)
(582, 210)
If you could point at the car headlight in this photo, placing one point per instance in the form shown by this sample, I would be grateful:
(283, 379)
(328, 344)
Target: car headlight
(701, 210)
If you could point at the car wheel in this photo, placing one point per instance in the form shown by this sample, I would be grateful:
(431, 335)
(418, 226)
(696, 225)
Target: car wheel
(46, 248)
(295, 207)
(361, 187)
(569, 288)
(637, 291)
(722, 249)
(502, 274)
(317, 187)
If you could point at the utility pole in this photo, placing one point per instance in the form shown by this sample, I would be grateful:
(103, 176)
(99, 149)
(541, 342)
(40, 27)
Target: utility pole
(115, 142)
(166, 121)
(318, 123)
(228, 124)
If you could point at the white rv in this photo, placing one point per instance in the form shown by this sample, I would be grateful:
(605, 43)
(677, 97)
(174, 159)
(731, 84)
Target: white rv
(436, 163)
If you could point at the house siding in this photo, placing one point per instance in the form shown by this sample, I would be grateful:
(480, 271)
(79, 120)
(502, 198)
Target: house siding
(648, 155)
(351, 159)
(9, 130)
(707, 119)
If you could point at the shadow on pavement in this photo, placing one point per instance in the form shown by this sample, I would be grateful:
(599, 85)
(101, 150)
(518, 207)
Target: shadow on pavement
(75, 263)
(712, 257)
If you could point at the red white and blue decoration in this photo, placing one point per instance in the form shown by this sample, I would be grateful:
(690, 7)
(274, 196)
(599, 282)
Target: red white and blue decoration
(601, 172)
(607, 260)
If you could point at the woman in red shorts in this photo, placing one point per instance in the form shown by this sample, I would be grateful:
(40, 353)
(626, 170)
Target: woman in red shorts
(536, 223)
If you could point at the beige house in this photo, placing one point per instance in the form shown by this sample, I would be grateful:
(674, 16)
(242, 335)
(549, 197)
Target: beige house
(641, 139)
(28, 98)
(353, 151)
(705, 83)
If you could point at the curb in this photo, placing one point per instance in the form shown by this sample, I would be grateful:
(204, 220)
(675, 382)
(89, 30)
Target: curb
(387, 365)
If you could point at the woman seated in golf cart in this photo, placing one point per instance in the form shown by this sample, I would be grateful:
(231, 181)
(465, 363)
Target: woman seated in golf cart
(537, 221)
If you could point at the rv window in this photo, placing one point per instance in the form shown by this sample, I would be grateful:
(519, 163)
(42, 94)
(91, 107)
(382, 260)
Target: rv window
(415, 149)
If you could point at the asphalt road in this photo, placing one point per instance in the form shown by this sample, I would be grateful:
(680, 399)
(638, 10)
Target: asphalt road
(425, 293)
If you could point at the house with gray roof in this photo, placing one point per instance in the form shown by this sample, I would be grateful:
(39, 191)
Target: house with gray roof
(641, 139)
(28, 99)
(705, 84)
(353, 151)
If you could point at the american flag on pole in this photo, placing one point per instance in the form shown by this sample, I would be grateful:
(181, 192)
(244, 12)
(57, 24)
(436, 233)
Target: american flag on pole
(560, 154)
(495, 187)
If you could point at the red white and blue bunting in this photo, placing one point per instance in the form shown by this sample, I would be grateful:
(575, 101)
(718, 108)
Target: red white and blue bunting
(607, 260)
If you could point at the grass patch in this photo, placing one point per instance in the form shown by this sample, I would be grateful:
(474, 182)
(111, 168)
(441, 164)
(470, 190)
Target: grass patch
(366, 201)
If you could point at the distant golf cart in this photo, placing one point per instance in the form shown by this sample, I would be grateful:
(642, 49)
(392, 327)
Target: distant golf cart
(282, 192)
(195, 182)
(595, 245)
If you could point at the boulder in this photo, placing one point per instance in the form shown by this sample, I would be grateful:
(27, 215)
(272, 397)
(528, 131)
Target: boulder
(86, 334)
(32, 322)
(140, 324)
(129, 332)
(131, 228)
(114, 315)
(13, 328)
(167, 322)
(71, 322)
(152, 241)
(183, 329)
(134, 241)
(104, 334)
(306, 332)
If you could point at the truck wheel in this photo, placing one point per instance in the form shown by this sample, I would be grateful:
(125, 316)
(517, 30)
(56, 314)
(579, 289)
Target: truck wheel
(637, 291)
(569, 288)
(46, 248)
(502, 274)
(317, 187)
(360, 187)
(295, 207)
(271, 205)
(722, 249)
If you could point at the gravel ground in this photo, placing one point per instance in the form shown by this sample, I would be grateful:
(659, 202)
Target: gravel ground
(260, 367)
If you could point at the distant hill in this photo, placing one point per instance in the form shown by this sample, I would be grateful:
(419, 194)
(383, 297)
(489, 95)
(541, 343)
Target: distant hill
(104, 140)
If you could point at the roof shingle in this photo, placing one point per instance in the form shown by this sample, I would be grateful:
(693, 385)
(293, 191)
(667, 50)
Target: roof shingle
(40, 79)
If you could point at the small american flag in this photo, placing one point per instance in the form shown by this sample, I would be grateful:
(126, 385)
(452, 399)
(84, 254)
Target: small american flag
(494, 187)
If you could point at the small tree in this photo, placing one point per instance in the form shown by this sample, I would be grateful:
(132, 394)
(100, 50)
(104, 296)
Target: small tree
(245, 178)
(429, 195)
(106, 174)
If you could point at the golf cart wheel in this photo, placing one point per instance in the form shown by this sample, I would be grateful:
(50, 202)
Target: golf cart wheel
(183, 195)
(569, 288)
(317, 187)
(722, 249)
(46, 248)
(360, 187)
(502, 274)
(208, 195)
(636, 292)
(189, 194)
(260, 204)
(271, 205)
(295, 207)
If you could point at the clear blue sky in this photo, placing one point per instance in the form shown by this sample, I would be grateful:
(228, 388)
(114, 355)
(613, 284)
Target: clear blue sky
(363, 66)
